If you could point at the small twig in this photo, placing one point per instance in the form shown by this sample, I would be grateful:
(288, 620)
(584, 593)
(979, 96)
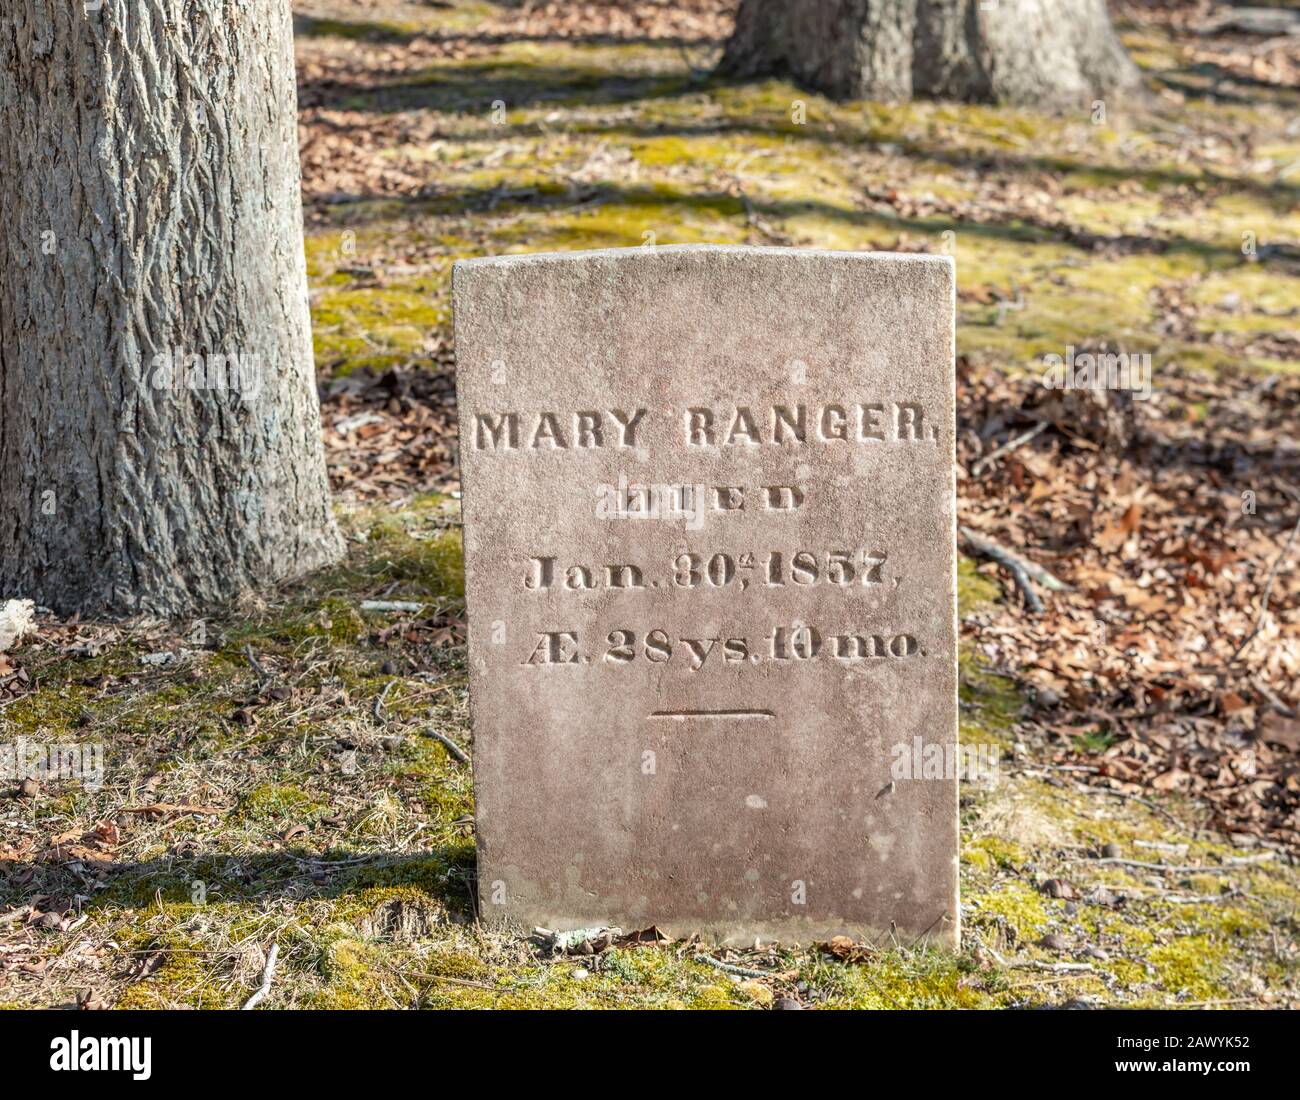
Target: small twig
(1163, 868)
(1089, 768)
(1043, 981)
(752, 217)
(732, 968)
(986, 947)
(267, 976)
(466, 982)
(1250, 861)
(1274, 701)
(940, 917)
(448, 744)
(262, 674)
(1012, 563)
(1055, 968)
(403, 606)
(1268, 591)
(1009, 446)
(378, 709)
(1032, 568)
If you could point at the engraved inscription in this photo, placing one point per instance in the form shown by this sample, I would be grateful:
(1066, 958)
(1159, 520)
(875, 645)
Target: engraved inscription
(742, 425)
(712, 515)
(768, 569)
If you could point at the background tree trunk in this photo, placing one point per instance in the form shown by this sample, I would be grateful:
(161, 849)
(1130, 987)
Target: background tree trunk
(149, 194)
(1059, 54)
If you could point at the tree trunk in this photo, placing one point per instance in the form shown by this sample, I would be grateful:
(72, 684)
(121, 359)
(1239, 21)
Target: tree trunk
(152, 219)
(1057, 54)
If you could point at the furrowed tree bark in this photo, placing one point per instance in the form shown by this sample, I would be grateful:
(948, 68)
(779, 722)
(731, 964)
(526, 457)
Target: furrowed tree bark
(1056, 54)
(151, 213)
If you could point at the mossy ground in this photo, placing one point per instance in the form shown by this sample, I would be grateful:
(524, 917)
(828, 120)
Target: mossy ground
(567, 145)
(345, 839)
(345, 836)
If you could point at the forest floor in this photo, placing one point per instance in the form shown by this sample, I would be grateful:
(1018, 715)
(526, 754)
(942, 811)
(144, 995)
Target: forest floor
(270, 774)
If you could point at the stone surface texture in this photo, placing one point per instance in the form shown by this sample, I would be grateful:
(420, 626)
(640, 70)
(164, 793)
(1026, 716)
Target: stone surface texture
(710, 569)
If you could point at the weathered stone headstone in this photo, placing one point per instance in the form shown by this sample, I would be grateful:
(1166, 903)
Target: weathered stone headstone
(710, 568)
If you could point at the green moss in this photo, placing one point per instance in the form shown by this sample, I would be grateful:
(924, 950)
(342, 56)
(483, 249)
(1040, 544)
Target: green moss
(443, 16)
(991, 852)
(440, 874)
(433, 566)
(181, 979)
(275, 803)
(367, 31)
(1014, 902)
(896, 979)
(1191, 966)
(377, 327)
(352, 975)
(974, 590)
(990, 703)
(51, 711)
(188, 961)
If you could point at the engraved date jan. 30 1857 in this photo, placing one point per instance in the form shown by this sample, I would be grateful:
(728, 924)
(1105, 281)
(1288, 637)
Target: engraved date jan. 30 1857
(769, 569)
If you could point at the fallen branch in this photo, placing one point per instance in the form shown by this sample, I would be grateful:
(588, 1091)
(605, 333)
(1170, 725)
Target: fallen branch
(1162, 868)
(392, 605)
(267, 976)
(1055, 968)
(262, 674)
(448, 744)
(1036, 571)
(1021, 569)
(732, 968)
(378, 710)
(1009, 446)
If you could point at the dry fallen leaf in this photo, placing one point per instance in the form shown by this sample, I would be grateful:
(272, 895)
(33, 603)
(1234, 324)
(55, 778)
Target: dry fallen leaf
(846, 950)
(1277, 729)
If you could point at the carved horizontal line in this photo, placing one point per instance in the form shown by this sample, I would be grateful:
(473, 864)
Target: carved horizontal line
(712, 714)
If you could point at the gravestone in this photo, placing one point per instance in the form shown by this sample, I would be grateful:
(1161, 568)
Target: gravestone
(710, 575)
